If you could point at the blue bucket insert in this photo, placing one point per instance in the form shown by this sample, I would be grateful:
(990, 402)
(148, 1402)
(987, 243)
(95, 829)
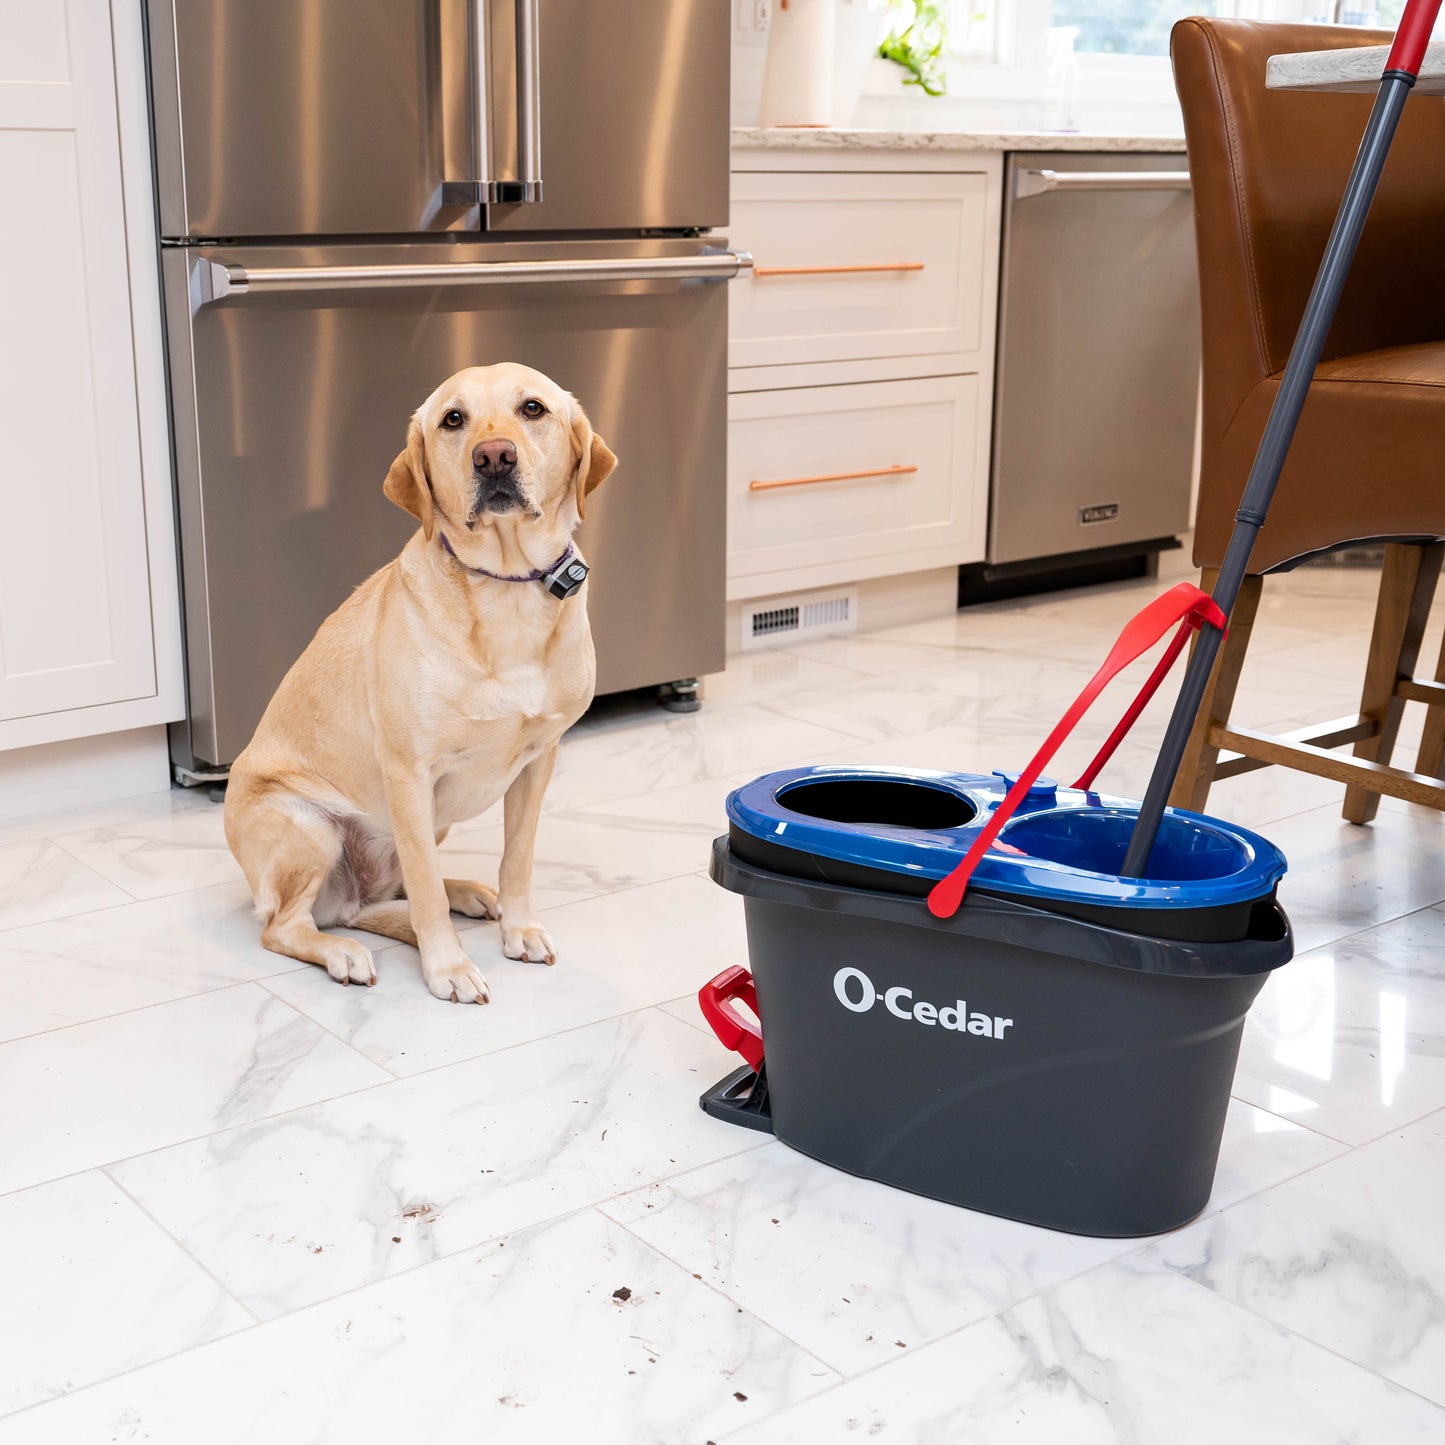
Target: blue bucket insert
(1063, 844)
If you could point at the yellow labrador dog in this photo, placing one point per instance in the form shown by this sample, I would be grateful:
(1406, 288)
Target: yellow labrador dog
(440, 685)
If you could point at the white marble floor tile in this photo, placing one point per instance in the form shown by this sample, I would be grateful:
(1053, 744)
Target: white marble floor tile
(1004, 630)
(1343, 878)
(771, 672)
(853, 1271)
(294, 1209)
(978, 687)
(1350, 1255)
(95, 964)
(119, 812)
(1261, 798)
(1350, 1037)
(686, 1009)
(983, 747)
(880, 653)
(849, 1268)
(590, 851)
(92, 1288)
(40, 880)
(1124, 1353)
(152, 856)
(616, 953)
(602, 765)
(105, 1090)
(476, 854)
(571, 1332)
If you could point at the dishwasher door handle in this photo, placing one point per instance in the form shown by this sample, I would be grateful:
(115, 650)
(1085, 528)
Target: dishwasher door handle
(220, 280)
(1032, 182)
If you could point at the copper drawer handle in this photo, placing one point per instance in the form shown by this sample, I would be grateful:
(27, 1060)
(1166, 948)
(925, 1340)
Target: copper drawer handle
(835, 270)
(757, 486)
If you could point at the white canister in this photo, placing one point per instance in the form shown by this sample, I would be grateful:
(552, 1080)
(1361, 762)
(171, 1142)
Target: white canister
(798, 78)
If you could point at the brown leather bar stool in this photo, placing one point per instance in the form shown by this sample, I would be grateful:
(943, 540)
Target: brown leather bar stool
(1368, 461)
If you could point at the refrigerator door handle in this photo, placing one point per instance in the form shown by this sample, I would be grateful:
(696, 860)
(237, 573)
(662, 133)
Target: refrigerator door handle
(466, 135)
(213, 281)
(528, 185)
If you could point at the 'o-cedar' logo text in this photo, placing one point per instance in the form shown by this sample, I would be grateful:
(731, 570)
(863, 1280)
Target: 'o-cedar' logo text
(855, 991)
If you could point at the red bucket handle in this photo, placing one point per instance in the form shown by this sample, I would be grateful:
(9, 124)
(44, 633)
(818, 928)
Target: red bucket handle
(735, 1030)
(1184, 604)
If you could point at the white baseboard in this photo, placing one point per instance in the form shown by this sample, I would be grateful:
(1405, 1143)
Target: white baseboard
(85, 770)
(882, 602)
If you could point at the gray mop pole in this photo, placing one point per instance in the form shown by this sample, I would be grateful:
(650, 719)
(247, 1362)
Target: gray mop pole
(1278, 433)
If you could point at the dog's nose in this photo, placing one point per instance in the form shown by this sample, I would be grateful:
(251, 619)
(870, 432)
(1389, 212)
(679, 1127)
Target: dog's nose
(494, 458)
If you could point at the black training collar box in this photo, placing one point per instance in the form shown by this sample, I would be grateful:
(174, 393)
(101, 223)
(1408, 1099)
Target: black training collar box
(1059, 1051)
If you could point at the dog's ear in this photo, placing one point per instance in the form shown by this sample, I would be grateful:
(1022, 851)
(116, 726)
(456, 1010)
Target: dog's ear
(594, 459)
(407, 483)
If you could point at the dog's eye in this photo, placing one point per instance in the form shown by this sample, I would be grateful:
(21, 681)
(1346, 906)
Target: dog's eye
(453, 419)
(533, 408)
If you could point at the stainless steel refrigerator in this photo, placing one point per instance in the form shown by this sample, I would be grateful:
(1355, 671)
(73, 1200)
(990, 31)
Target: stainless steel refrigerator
(359, 197)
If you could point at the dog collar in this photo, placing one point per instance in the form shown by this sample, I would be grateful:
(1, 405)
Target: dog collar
(564, 577)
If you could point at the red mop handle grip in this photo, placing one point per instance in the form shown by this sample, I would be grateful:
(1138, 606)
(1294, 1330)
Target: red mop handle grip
(1413, 36)
(735, 1030)
(1184, 604)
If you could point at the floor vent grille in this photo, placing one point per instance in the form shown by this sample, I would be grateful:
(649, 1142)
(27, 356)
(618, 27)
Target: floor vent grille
(776, 621)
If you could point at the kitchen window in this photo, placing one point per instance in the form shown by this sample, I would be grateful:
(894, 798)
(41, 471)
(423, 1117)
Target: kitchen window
(1015, 32)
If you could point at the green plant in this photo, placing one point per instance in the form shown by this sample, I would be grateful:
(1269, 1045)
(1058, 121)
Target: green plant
(916, 41)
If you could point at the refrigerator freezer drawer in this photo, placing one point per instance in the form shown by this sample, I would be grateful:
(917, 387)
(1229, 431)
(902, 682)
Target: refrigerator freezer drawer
(290, 406)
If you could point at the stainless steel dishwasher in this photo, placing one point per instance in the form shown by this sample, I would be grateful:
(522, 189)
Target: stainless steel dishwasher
(1098, 371)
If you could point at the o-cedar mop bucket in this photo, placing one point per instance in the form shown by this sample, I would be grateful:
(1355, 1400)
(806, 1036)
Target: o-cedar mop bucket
(1060, 1048)
(1055, 1044)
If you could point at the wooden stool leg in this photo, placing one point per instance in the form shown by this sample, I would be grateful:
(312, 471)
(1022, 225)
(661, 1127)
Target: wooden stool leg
(1432, 741)
(1407, 587)
(1196, 768)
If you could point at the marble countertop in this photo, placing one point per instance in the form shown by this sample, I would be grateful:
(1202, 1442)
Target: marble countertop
(1355, 70)
(828, 139)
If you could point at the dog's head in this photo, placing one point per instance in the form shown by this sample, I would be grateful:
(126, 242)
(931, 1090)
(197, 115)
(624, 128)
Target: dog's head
(497, 441)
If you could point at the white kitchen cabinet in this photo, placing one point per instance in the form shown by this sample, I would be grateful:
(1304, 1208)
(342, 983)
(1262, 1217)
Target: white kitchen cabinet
(866, 474)
(861, 356)
(858, 264)
(89, 627)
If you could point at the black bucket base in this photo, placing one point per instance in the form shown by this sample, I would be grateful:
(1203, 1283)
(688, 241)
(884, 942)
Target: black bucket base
(1008, 1060)
(741, 1098)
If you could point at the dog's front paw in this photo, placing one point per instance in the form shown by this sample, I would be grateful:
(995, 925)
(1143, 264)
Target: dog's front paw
(348, 961)
(459, 981)
(528, 941)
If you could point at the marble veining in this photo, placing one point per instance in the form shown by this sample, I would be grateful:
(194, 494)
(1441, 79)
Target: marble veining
(827, 138)
(1356, 69)
(239, 1203)
(322, 1200)
(524, 1340)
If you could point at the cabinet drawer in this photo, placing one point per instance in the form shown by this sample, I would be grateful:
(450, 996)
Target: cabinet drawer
(842, 473)
(857, 265)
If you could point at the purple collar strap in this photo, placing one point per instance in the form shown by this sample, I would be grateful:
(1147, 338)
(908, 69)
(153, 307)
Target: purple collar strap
(564, 577)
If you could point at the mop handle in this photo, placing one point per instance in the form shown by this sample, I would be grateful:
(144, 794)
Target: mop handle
(1401, 68)
(1183, 603)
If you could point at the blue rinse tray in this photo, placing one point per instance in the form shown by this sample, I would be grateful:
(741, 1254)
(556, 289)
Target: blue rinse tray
(1063, 845)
